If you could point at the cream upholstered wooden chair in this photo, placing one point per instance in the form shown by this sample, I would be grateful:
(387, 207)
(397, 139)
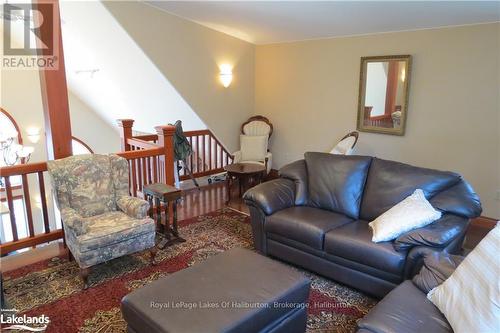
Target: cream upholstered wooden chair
(346, 144)
(254, 140)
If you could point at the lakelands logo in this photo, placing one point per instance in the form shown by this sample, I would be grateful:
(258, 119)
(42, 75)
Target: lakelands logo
(30, 36)
(10, 322)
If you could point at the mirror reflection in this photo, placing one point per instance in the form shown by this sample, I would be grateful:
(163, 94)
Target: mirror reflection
(383, 94)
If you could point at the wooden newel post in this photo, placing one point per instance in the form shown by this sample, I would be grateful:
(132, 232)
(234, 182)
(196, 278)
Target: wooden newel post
(166, 140)
(125, 132)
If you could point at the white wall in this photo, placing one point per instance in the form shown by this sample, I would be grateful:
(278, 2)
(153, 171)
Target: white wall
(309, 90)
(189, 56)
(127, 84)
(89, 127)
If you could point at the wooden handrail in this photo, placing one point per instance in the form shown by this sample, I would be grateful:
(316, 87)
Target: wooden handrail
(141, 144)
(135, 154)
(22, 169)
(209, 154)
(147, 137)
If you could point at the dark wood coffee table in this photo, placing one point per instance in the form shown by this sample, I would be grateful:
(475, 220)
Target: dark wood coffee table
(243, 172)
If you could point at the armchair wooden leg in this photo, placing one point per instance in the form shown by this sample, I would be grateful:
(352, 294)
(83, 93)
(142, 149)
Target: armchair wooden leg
(70, 256)
(84, 274)
(152, 254)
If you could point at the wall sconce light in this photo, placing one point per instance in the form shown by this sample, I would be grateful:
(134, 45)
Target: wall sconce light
(403, 75)
(226, 75)
(33, 134)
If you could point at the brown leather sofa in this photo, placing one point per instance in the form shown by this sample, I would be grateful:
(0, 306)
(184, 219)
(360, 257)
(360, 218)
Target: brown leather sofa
(316, 216)
(406, 308)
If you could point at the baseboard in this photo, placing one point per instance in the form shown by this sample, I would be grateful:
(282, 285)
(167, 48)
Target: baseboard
(484, 222)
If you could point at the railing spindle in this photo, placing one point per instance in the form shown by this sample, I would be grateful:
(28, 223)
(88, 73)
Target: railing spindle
(133, 178)
(27, 204)
(203, 157)
(10, 203)
(144, 172)
(43, 199)
(155, 169)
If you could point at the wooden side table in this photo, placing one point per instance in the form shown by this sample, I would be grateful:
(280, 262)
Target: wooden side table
(166, 194)
(242, 172)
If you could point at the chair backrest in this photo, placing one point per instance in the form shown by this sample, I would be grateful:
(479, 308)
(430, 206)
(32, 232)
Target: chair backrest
(346, 144)
(89, 184)
(257, 126)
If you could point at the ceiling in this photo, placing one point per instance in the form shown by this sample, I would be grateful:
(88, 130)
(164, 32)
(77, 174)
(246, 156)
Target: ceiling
(264, 22)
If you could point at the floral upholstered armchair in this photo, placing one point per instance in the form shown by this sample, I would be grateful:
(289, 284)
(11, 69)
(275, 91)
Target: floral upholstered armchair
(101, 220)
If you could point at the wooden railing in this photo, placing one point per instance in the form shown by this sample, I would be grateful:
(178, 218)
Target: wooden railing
(148, 163)
(209, 155)
(36, 170)
(150, 158)
(145, 167)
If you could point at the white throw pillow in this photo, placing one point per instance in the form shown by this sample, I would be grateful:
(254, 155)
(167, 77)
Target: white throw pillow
(253, 148)
(411, 213)
(470, 297)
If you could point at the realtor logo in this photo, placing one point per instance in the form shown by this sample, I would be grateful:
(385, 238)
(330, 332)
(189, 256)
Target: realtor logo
(24, 44)
(9, 321)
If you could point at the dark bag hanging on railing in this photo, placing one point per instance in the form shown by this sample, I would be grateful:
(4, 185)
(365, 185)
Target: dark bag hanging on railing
(182, 149)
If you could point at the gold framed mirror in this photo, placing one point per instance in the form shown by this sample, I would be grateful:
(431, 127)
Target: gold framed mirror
(384, 84)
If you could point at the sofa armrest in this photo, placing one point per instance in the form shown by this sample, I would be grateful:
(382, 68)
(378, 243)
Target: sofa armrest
(415, 260)
(438, 234)
(133, 207)
(436, 269)
(266, 199)
(73, 220)
(272, 196)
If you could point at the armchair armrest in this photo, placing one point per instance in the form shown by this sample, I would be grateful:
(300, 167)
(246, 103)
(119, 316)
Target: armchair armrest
(272, 196)
(73, 220)
(133, 207)
(438, 234)
(415, 260)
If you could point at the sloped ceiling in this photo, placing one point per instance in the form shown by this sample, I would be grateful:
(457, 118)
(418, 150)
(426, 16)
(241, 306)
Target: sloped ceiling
(109, 72)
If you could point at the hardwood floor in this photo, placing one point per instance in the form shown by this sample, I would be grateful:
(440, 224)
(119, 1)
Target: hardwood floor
(194, 203)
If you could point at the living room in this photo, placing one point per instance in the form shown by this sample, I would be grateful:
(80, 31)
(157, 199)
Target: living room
(158, 156)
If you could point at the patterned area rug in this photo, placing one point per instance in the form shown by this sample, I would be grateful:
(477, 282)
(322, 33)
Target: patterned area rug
(53, 287)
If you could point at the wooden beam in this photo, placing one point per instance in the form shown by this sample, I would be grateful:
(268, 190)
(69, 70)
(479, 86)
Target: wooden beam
(53, 81)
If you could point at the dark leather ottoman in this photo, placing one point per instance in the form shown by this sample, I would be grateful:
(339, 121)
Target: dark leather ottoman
(236, 291)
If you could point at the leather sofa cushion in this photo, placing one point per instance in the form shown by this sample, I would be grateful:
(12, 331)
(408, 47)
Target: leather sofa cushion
(306, 225)
(404, 309)
(390, 182)
(353, 241)
(336, 182)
